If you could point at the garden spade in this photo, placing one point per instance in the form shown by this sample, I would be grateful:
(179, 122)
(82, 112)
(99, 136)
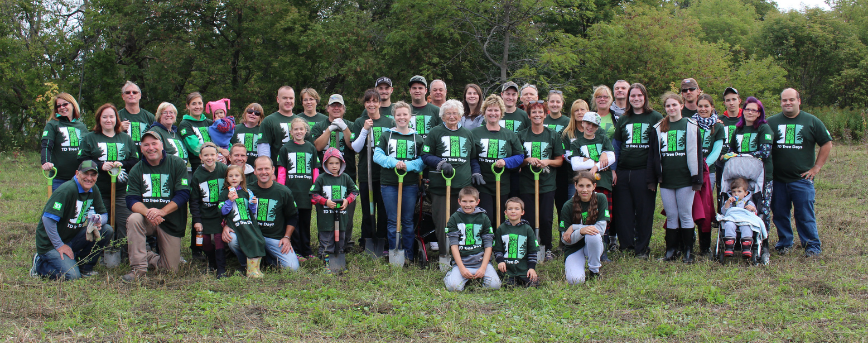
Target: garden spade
(373, 246)
(338, 260)
(112, 257)
(542, 249)
(396, 256)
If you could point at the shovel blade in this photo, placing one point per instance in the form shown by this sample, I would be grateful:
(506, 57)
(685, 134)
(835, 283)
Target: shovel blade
(375, 247)
(112, 259)
(337, 263)
(445, 266)
(396, 257)
(541, 254)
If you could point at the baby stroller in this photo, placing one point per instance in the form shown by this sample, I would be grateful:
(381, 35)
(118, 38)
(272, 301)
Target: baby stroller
(751, 169)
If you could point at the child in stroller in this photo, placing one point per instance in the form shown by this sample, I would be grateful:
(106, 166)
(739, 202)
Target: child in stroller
(739, 196)
(742, 212)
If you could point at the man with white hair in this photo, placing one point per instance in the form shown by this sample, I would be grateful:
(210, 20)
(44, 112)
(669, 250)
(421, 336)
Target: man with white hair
(438, 92)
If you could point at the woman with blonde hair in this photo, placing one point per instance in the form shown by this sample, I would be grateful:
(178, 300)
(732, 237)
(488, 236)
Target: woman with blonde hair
(61, 139)
(164, 124)
(602, 101)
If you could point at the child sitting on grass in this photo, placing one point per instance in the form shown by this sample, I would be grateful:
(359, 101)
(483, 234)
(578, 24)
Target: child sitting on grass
(739, 197)
(470, 241)
(331, 187)
(239, 214)
(515, 247)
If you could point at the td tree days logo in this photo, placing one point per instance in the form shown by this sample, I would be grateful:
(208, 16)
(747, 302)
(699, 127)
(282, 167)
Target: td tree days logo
(156, 186)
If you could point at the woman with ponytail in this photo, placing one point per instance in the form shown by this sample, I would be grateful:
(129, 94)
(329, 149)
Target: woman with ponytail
(583, 221)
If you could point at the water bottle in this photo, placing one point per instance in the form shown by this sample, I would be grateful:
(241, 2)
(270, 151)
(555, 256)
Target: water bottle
(91, 216)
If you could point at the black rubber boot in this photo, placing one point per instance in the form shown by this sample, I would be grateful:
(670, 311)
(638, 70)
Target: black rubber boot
(705, 244)
(220, 259)
(671, 244)
(212, 259)
(728, 246)
(746, 247)
(687, 240)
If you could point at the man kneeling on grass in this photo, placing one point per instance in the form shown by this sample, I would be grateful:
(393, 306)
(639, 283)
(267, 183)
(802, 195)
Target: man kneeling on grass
(69, 236)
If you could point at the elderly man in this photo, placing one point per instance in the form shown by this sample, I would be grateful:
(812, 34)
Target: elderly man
(63, 243)
(157, 194)
(438, 93)
(134, 119)
(274, 129)
(796, 134)
(277, 217)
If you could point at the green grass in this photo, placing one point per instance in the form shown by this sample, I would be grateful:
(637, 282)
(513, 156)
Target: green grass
(792, 299)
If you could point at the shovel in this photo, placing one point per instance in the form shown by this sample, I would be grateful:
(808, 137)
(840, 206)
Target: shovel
(444, 260)
(396, 256)
(112, 257)
(373, 246)
(542, 249)
(47, 174)
(338, 260)
(497, 192)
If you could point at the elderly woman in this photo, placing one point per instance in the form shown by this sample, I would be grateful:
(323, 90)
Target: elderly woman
(501, 148)
(109, 148)
(472, 107)
(61, 139)
(247, 132)
(543, 151)
(165, 126)
(602, 103)
(450, 151)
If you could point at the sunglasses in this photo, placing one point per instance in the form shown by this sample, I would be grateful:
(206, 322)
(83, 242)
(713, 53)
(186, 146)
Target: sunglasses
(131, 92)
(691, 89)
(555, 91)
(537, 102)
(252, 111)
(58, 106)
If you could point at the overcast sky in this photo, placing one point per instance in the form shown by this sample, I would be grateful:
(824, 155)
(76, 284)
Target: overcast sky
(785, 5)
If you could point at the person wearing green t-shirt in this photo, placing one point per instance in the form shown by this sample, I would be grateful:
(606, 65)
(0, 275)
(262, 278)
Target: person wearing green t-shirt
(602, 101)
(247, 132)
(65, 249)
(595, 153)
(309, 100)
(207, 182)
(514, 118)
(515, 247)
(297, 166)
(337, 133)
(384, 89)
(543, 150)
(425, 115)
(157, 194)
(400, 148)
(165, 127)
(796, 133)
(674, 163)
(110, 149)
(728, 119)
(471, 240)
(558, 122)
(194, 129)
(712, 135)
(502, 149)
(583, 221)
(690, 93)
(275, 128)
(633, 200)
(134, 119)
(239, 205)
(61, 139)
(333, 192)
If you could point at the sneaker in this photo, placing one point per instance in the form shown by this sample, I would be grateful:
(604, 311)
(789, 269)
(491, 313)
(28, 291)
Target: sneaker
(593, 276)
(729, 246)
(642, 255)
(183, 260)
(133, 275)
(783, 250)
(435, 246)
(301, 259)
(33, 272)
(89, 273)
(549, 256)
(812, 253)
(613, 245)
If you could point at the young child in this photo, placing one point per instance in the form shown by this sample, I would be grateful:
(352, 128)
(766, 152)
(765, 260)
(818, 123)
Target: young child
(739, 197)
(239, 213)
(583, 221)
(223, 127)
(204, 206)
(332, 192)
(515, 247)
(470, 241)
(297, 168)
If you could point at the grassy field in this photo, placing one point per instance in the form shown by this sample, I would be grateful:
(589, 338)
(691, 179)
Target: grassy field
(792, 299)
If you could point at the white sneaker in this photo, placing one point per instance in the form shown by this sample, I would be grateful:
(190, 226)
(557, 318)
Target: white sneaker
(33, 268)
(435, 246)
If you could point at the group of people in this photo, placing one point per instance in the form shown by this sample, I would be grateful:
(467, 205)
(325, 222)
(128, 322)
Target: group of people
(252, 187)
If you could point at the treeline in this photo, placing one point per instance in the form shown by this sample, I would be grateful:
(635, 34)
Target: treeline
(246, 49)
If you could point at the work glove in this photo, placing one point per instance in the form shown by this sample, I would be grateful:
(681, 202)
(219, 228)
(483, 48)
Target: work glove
(477, 179)
(445, 168)
(340, 123)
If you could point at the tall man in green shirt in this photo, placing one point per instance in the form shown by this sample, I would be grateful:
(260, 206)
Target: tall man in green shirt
(134, 119)
(274, 130)
(795, 134)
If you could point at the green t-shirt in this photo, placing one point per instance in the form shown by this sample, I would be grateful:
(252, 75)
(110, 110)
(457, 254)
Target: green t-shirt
(333, 188)
(708, 140)
(515, 242)
(274, 130)
(728, 127)
(470, 228)
(607, 124)
(336, 140)
(748, 140)
(557, 125)
(139, 123)
(119, 148)
(593, 149)
(793, 147)
(241, 220)
(673, 156)
(275, 205)
(455, 147)
(250, 137)
(402, 148)
(566, 219)
(491, 147)
(634, 132)
(171, 141)
(544, 146)
(157, 185)
(516, 121)
(194, 133)
(299, 160)
(71, 206)
(425, 119)
(311, 122)
(66, 137)
(206, 187)
(381, 124)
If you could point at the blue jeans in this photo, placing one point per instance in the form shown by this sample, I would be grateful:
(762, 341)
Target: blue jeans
(799, 196)
(52, 265)
(56, 183)
(273, 255)
(390, 198)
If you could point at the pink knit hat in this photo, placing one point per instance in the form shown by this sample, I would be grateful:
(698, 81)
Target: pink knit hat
(222, 104)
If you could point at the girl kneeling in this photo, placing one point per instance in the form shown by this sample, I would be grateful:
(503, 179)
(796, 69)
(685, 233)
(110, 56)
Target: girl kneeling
(583, 222)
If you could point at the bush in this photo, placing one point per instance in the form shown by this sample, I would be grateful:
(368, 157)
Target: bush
(844, 124)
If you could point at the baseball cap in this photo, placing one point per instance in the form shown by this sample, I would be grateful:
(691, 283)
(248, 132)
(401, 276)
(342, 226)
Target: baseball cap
(419, 79)
(154, 134)
(593, 118)
(508, 85)
(689, 83)
(730, 90)
(86, 166)
(385, 80)
(336, 98)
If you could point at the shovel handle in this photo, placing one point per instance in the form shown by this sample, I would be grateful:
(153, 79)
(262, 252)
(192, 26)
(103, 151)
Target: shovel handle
(448, 178)
(114, 172)
(496, 173)
(338, 218)
(400, 175)
(535, 173)
(47, 174)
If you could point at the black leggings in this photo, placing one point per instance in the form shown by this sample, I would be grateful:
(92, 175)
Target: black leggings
(634, 204)
(300, 238)
(382, 218)
(546, 208)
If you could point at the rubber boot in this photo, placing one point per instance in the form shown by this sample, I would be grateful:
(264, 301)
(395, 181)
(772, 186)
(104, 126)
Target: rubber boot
(688, 237)
(746, 245)
(220, 259)
(605, 257)
(253, 268)
(671, 244)
(705, 243)
(212, 260)
(728, 246)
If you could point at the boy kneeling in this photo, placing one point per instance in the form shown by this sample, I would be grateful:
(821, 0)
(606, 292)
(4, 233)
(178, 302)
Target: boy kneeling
(470, 238)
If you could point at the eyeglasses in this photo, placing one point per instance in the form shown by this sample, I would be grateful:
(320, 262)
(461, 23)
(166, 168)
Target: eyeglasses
(601, 97)
(168, 112)
(685, 90)
(750, 110)
(131, 92)
(58, 106)
(555, 91)
(537, 102)
(252, 111)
